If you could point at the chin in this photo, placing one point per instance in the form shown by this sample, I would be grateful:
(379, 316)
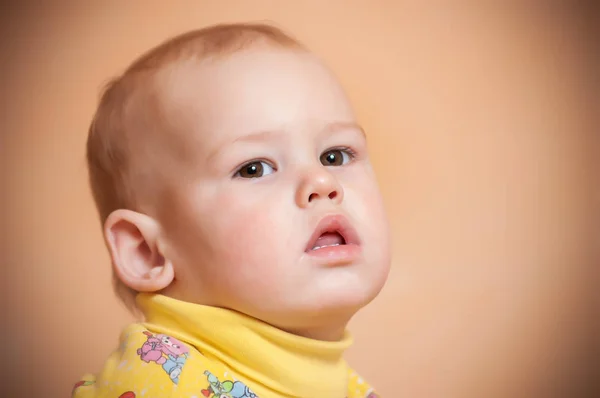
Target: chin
(345, 300)
(356, 285)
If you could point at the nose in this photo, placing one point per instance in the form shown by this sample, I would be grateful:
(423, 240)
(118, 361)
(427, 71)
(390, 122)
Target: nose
(318, 185)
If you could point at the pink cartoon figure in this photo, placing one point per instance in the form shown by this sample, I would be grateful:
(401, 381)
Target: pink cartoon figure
(166, 351)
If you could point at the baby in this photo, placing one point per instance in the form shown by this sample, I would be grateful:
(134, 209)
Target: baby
(243, 220)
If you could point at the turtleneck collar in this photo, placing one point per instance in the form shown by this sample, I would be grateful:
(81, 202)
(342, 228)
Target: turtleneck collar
(271, 360)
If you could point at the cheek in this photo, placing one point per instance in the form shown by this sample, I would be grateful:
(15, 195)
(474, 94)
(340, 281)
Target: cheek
(363, 199)
(249, 233)
(365, 204)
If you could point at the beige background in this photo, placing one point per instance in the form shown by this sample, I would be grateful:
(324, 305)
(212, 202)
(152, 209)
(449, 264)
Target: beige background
(480, 127)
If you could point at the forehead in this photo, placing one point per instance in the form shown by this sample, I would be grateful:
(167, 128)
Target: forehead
(255, 90)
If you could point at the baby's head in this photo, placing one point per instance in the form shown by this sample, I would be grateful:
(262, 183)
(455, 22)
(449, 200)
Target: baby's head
(229, 170)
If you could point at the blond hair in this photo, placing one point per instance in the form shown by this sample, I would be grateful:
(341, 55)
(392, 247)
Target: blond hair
(107, 149)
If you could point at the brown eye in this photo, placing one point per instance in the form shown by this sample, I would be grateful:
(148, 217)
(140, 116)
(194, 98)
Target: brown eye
(335, 157)
(254, 170)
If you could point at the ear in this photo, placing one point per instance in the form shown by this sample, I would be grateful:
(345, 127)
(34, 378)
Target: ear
(133, 240)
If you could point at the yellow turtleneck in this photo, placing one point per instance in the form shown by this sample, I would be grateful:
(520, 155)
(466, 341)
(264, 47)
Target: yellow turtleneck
(190, 350)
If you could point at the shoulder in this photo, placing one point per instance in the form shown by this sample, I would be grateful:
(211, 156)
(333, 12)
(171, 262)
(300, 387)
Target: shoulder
(147, 363)
(358, 387)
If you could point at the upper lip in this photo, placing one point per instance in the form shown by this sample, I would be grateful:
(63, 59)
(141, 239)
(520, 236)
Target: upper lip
(334, 223)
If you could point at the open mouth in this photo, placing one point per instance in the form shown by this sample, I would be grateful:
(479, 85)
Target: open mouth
(332, 231)
(329, 239)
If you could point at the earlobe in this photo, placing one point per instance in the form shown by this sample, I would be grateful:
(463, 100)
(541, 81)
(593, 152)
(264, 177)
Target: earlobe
(133, 242)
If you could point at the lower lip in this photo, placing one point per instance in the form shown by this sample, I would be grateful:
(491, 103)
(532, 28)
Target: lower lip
(332, 255)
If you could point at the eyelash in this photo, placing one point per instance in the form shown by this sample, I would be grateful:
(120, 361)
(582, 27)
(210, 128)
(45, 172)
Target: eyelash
(248, 163)
(346, 149)
(351, 152)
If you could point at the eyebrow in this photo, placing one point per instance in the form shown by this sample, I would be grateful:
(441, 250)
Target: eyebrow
(339, 126)
(258, 136)
(264, 135)
(330, 128)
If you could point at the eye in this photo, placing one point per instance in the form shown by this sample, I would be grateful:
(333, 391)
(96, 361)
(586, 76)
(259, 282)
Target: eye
(336, 157)
(254, 170)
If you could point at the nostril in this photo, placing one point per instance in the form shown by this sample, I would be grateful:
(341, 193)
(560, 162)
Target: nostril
(333, 195)
(312, 196)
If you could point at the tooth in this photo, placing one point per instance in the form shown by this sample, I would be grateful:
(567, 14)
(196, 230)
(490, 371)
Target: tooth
(320, 247)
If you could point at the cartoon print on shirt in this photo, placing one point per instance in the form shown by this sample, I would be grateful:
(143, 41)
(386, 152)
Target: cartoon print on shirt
(80, 384)
(226, 389)
(166, 351)
(127, 394)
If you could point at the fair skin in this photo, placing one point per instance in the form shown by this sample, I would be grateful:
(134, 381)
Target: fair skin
(262, 145)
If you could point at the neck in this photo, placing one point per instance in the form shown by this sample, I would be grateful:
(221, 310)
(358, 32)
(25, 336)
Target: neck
(320, 334)
(332, 330)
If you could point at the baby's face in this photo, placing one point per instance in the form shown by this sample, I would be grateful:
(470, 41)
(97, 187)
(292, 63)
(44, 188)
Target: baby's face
(270, 206)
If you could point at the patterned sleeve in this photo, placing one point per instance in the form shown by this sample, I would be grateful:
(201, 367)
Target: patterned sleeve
(148, 364)
(145, 364)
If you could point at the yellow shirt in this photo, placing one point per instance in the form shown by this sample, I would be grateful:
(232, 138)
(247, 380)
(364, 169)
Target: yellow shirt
(186, 350)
